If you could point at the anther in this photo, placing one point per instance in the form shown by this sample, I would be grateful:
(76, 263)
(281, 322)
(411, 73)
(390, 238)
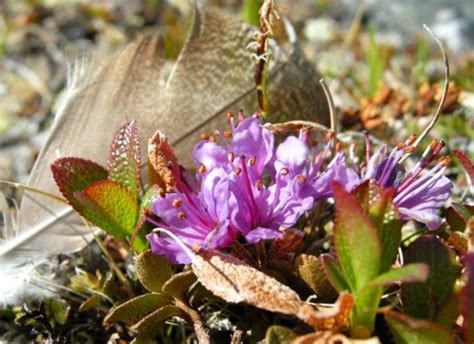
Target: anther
(227, 134)
(410, 140)
(230, 115)
(338, 147)
(401, 145)
(204, 137)
(301, 179)
(252, 160)
(202, 170)
(230, 156)
(181, 215)
(433, 144)
(237, 170)
(196, 248)
(259, 184)
(212, 138)
(410, 149)
(330, 135)
(177, 203)
(284, 171)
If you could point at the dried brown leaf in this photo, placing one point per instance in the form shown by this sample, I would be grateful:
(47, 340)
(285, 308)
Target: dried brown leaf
(161, 160)
(235, 281)
(328, 337)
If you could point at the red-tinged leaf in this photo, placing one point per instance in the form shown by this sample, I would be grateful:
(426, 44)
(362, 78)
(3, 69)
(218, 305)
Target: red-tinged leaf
(234, 281)
(467, 163)
(424, 300)
(329, 337)
(161, 160)
(286, 244)
(362, 193)
(356, 240)
(411, 273)
(111, 207)
(467, 299)
(457, 216)
(75, 174)
(335, 318)
(125, 158)
(334, 273)
(407, 330)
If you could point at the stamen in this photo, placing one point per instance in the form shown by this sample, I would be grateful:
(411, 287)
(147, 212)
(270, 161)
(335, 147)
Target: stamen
(252, 160)
(181, 215)
(339, 147)
(196, 248)
(259, 184)
(410, 140)
(202, 170)
(204, 137)
(227, 134)
(284, 171)
(367, 146)
(230, 116)
(177, 203)
(212, 138)
(237, 170)
(230, 156)
(410, 149)
(301, 179)
(241, 116)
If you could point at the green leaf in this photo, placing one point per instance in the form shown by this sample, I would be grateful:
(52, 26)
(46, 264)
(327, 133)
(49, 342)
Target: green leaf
(134, 310)
(449, 312)
(416, 272)
(385, 218)
(124, 158)
(311, 270)
(60, 310)
(279, 335)
(146, 204)
(423, 300)
(467, 299)
(411, 331)
(149, 326)
(177, 285)
(356, 240)
(334, 273)
(111, 207)
(153, 271)
(75, 174)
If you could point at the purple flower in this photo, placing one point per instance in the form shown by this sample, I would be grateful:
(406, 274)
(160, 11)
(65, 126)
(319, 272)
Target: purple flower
(418, 195)
(247, 187)
(199, 220)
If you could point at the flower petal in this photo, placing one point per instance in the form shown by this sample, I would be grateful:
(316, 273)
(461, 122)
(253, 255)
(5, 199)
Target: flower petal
(261, 233)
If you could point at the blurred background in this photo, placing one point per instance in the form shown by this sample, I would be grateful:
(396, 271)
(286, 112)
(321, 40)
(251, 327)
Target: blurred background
(383, 68)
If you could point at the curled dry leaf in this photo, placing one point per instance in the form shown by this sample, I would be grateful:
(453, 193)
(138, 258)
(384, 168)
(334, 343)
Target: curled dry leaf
(328, 337)
(235, 281)
(160, 156)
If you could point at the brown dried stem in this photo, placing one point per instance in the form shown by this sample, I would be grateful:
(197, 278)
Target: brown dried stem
(439, 109)
(332, 111)
(262, 60)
